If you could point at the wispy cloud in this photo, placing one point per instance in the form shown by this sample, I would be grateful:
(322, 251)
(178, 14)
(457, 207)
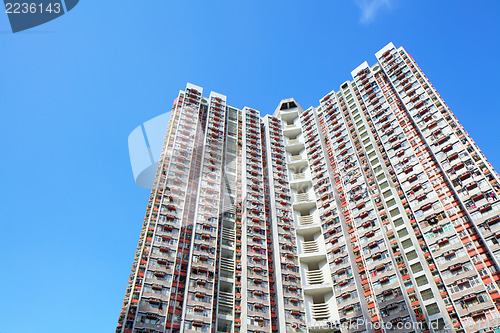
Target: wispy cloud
(370, 9)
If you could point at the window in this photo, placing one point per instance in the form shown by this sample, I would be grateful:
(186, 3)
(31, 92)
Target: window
(407, 243)
(402, 233)
(421, 280)
(411, 255)
(394, 212)
(415, 268)
(427, 294)
(399, 221)
(432, 309)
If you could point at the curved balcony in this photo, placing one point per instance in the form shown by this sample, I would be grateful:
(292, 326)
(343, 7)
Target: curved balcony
(320, 311)
(306, 220)
(315, 277)
(299, 176)
(310, 246)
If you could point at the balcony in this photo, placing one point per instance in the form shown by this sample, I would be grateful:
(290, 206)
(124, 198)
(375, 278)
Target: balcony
(226, 299)
(315, 277)
(292, 133)
(149, 326)
(320, 311)
(301, 197)
(310, 246)
(227, 264)
(296, 159)
(228, 237)
(299, 176)
(306, 220)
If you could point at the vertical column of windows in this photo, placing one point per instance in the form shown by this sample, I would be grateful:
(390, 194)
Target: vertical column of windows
(199, 302)
(256, 296)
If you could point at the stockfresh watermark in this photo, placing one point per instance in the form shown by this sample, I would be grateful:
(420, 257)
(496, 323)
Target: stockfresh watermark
(360, 323)
(27, 14)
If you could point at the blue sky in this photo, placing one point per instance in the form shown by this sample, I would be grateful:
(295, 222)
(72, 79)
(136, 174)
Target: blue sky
(73, 89)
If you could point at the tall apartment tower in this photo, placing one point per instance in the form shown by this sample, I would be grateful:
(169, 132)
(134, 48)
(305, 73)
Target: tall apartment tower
(372, 212)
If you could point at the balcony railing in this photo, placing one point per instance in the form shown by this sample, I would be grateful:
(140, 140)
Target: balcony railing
(320, 311)
(306, 219)
(226, 298)
(310, 247)
(315, 277)
(299, 176)
(301, 197)
(227, 264)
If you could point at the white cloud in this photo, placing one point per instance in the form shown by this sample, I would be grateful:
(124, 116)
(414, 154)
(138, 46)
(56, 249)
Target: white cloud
(370, 9)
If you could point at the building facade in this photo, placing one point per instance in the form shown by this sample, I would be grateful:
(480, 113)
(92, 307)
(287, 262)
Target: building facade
(372, 212)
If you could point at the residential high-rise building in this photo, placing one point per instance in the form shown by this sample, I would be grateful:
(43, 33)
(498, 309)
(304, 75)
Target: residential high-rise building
(372, 212)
